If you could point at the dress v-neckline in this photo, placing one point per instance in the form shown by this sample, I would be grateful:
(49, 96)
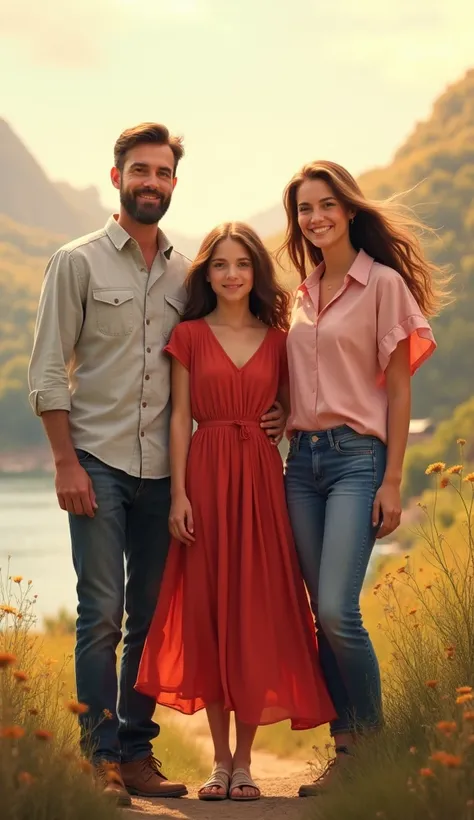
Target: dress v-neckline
(250, 359)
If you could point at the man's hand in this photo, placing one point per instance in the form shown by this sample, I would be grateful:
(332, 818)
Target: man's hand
(274, 423)
(74, 489)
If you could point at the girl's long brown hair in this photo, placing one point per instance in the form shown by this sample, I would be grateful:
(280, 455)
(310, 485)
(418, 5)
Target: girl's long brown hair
(384, 230)
(267, 301)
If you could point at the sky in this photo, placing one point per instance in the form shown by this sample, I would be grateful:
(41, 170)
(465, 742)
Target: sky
(256, 87)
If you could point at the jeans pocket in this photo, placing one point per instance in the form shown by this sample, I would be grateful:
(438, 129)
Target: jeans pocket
(355, 445)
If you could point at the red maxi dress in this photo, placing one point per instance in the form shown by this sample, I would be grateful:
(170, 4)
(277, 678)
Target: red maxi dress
(232, 623)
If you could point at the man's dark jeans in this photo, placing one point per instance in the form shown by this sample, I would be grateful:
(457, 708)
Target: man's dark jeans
(119, 557)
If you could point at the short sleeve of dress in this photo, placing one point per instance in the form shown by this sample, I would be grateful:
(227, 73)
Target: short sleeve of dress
(179, 345)
(399, 318)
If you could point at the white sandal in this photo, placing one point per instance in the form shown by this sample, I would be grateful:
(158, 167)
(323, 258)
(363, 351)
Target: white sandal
(220, 777)
(241, 779)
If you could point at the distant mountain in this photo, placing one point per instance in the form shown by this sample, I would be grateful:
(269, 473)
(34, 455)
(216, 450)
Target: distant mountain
(27, 195)
(85, 202)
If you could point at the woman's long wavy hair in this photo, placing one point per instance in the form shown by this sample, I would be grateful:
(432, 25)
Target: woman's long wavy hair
(387, 231)
(267, 300)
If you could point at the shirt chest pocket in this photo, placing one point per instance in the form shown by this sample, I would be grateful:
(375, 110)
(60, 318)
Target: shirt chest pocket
(114, 310)
(172, 312)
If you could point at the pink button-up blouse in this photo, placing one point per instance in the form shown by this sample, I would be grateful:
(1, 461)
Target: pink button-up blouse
(337, 357)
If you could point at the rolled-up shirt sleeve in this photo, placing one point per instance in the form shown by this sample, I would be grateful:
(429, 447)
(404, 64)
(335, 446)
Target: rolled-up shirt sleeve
(58, 325)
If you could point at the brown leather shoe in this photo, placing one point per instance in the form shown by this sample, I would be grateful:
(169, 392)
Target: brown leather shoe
(144, 778)
(332, 774)
(109, 778)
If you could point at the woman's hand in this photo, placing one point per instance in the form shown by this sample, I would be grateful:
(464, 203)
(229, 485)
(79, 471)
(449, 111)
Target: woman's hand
(180, 520)
(387, 508)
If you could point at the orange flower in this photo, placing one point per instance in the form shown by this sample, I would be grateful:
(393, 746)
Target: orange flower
(455, 470)
(461, 442)
(428, 586)
(401, 570)
(444, 483)
(6, 659)
(12, 732)
(432, 684)
(17, 579)
(450, 652)
(376, 587)
(21, 677)
(464, 690)
(413, 611)
(427, 772)
(42, 734)
(470, 477)
(468, 716)
(77, 708)
(25, 778)
(437, 467)
(447, 727)
(33, 712)
(107, 714)
(446, 759)
(7, 609)
(413, 750)
(464, 699)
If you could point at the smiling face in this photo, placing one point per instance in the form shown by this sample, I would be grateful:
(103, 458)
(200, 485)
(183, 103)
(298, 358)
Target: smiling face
(322, 218)
(146, 182)
(230, 271)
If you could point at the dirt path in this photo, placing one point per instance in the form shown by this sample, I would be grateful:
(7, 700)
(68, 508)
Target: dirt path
(278, 779)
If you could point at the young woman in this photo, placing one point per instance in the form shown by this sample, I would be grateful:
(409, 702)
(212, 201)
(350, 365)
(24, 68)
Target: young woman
(232, 631)
(358, 332)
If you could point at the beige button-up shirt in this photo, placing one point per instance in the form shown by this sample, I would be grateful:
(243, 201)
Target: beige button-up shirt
(103, 321)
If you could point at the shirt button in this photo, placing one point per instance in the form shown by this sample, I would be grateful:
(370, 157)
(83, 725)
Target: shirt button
(314, 439)
(116, 301)
(148, 350)
(142, 433)
(147, 378)
(144, 404)
(148, 321)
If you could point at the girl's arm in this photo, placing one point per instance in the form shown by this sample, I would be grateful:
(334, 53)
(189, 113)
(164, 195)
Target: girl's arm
(387, 505)
(181, 427)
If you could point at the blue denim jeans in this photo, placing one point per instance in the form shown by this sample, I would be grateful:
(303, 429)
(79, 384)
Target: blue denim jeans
(119, 557)
(331, 480)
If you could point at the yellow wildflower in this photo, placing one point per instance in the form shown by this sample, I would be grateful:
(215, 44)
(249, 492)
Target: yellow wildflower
(447, 727)
(455, 470)
(7, 609)
(19, 676)
(437, 467)
(42, 734)
(12, 732)
(77, 708)
(446, 759)
(17, 579)
(427, 772)
(470, 477)
(25, 778)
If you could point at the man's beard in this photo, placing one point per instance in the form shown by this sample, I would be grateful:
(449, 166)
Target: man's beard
(149, 212)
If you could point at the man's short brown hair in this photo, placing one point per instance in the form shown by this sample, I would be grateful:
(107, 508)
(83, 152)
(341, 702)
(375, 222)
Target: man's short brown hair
(146, 133)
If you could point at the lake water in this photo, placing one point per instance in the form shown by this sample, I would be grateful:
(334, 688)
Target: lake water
(34, 532)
